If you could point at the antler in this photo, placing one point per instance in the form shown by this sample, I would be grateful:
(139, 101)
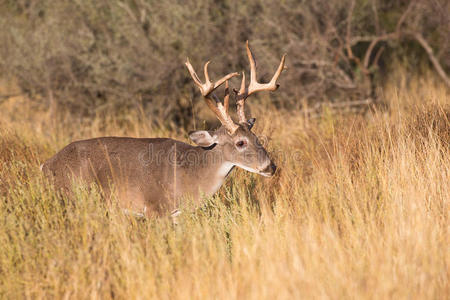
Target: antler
(254, 85)
(207, 89)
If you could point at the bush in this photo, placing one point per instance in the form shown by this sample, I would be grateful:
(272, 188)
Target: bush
(98, 57)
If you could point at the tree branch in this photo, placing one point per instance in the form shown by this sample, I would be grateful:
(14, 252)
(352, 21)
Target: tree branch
(375, 15)
(421, 40)
(375, 41)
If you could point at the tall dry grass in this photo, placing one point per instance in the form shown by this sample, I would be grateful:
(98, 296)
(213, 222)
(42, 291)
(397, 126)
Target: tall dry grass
(359, 209)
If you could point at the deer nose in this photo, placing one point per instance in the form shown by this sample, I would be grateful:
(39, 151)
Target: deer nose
(270, 169)
(273, 167)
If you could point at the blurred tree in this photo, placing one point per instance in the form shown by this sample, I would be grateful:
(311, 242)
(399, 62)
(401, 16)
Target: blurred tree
(97, 57)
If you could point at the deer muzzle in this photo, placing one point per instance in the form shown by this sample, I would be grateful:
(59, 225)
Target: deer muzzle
(269, 170)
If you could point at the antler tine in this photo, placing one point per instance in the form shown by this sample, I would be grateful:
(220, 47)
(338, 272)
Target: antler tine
(205, 70)
(277, 74)
(240, 99)
(252, 61)
(207, 89)
(193, 74)
(254, 85)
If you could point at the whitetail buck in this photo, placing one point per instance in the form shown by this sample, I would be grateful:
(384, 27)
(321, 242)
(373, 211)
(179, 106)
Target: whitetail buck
(152, 176)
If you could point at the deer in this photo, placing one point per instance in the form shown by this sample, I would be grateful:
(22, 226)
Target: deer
(153, 176)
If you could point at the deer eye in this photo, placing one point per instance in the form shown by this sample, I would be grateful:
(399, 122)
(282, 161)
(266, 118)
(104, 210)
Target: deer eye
(241, 143)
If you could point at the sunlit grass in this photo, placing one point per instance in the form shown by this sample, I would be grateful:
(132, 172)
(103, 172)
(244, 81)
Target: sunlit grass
(359, 209)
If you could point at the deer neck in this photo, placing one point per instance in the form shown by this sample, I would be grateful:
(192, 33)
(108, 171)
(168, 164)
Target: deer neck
(214, 169)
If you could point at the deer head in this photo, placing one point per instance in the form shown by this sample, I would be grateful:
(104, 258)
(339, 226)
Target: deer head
(238, 144)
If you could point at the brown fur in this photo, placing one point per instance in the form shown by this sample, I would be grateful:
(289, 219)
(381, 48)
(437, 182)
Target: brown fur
(152, 175)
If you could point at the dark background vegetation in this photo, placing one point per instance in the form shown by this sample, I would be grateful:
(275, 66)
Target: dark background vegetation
(97, 57)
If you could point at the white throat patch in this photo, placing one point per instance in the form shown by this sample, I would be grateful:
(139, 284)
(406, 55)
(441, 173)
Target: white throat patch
(220, 176)
(224, 169)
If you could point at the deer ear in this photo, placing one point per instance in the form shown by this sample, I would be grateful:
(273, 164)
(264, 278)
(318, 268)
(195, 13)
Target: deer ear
(203, 138)
(251, 122)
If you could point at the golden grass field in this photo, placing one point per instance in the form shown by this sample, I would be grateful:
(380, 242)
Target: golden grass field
(358, 210)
